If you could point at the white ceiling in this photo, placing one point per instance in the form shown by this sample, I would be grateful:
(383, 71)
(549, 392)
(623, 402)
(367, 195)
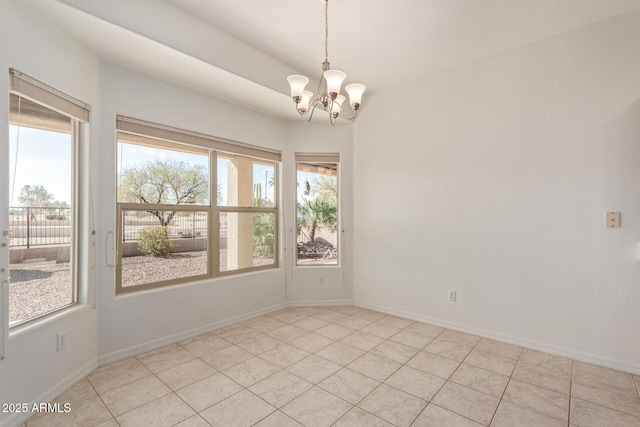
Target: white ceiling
(385, 43)
(252, 45)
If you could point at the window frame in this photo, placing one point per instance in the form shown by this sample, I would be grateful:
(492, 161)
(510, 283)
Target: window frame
(251, 209)
(121, 207)
(78, 112)
(327, 158)
(168, 137)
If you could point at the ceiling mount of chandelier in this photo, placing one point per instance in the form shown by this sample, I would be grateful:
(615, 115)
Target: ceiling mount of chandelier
(328, 97)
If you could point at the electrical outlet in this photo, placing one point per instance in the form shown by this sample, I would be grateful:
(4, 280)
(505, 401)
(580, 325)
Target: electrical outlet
(452, 295)
(612, 220)
(62, 340)
(321, 281)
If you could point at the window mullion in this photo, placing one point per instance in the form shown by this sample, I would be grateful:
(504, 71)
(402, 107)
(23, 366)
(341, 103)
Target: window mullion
(75, 210)
(162, 207)
(247, 209)
(214, 217)
(119, 246)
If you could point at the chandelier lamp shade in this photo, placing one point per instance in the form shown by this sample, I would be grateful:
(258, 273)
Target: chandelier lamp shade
(328, 97)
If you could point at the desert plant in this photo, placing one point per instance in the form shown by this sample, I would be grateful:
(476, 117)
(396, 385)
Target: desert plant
(263, 234)
(313, 213)
(154, 241)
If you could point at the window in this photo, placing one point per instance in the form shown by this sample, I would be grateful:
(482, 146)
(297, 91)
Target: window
(248, 214)
(191, 206)
(317, 210)
(44, 143)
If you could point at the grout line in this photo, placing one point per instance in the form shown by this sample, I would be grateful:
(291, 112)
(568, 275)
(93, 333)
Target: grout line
(368, 318)
(394, 372)
(570, 393)
(535, 385)
(380, 383)
(500, 401)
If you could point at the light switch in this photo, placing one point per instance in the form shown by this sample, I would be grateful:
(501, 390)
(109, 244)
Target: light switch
(613, 220)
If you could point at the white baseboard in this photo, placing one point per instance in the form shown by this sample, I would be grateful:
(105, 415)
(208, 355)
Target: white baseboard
(321, 303)
(171, 339)
(55, 391)
(594, 359)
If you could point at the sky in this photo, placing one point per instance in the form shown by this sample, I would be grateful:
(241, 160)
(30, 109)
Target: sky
(131, 155)
(44, 158)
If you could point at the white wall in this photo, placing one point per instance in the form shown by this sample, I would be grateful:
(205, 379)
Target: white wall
(493, 179)
(303, 283)
(499, 174)
(167, 314)
(33, 370)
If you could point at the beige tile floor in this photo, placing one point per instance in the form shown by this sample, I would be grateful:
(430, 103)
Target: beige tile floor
(346, 366)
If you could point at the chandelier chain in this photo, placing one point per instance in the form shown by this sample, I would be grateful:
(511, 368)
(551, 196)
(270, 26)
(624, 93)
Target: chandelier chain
(326, 30)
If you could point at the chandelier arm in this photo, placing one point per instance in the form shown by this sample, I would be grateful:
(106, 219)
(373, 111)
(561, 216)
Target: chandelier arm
(304, 112)
(311, 111)
(310, 115)
(353, 116)
(314, 103)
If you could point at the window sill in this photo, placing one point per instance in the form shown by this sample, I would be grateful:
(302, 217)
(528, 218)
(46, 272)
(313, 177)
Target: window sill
(323, 266)
(29, 326)
(217, 280)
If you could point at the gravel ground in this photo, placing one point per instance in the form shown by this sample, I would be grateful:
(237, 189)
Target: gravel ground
(38, 288)
(138, 270)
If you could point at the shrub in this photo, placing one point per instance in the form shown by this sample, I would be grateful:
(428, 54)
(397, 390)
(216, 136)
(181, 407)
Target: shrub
(56, 217)
(189, 234)
(154, 241)
(263, 232)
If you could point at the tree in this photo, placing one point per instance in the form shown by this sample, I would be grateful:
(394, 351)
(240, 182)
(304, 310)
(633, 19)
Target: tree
(59, 204)
(320, 206)
(164, 182)
(328, 189)
(35, 195)
(314, 213)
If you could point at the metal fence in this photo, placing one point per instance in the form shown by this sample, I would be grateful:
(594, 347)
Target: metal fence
(183, 224)
(39, 226)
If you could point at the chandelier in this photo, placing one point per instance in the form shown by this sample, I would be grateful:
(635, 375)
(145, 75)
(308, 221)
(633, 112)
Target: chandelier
(328, 97)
